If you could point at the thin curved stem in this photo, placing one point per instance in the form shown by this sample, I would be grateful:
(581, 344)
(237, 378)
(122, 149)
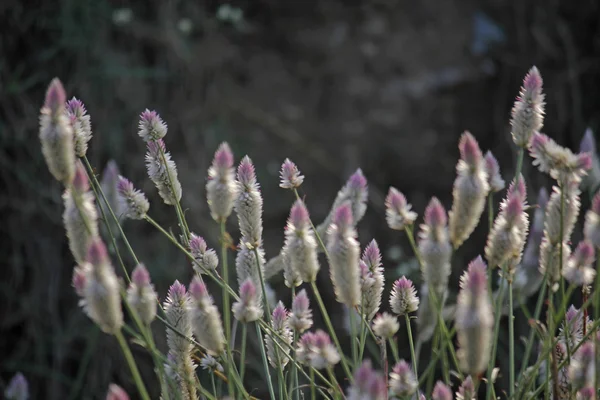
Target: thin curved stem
(263, 355)
(132, 365)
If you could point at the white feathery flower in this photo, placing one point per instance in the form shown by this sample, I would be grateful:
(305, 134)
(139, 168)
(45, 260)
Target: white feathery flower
(385, 326)
(221, 189)
(163, 172)
(151, 127)
(528, 111)
(81, 124)
(372, 280)
(403, 299)
(246, 266)
(135, 203)
(205, 319)
(300, 319)
(249, 203)
(278, 344)
(300, 248)
(141, 295)
(248, 308)
(205, 259)
(398, 212)
(316, 350)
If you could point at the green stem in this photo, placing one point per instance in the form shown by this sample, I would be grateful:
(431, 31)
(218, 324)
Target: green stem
(180, 215)
(536, 317)
(411, 239)
(226, 306)
(294, 374)
(497, 313)
(490, 211)
(313, 394)
(519, 164)
(353, 336)
(394, 348)
(243, 356)
(511, 338)
(313, 227)
(132, 365)
(263, 355)
(412, 347)
(331, 330)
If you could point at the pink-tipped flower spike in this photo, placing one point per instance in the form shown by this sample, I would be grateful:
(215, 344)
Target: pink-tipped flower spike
(470, 191)
(116, 392)
(527, 116)
(301, 316)
(372, 280)
(571, 331)
(300, 248)
(247, 308)
(176, 310)
(80, 217)
(368, 384)
(246, 266)
(506, 240)
(205, 319)
(466, 391)
(579, 270)
(435, 248)
(316, 350)
(570, 212)
(141, 295)
(402, 380)
(558, 161)
(102, 300)
(474, 319)
(249, 203)
(588, 145)
(441, 392)
(82, 126)
(403, 299)
(354, 193)
(205, 259)
(550, 263)
(279, 356)
(398, 212)
(582, 367)
(385, 326)
(56, 134)
(220, 187)
(591, 226)
(492, 169)
(151, 127)
(135, 203)
(163, 172)
(343, 250)
(290, 175)
(109, 185)
(18, 388)
(79, 279)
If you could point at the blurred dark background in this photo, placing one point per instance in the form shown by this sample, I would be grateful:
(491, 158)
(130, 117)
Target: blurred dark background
(385, 85)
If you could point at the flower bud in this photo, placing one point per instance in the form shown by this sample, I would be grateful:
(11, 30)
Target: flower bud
(372, 280)
(441, 392)
(368, 384)
(205, 259)
(205, 319)
(221, 188)
(151, 127)
(300, 248)
(466, 391)
(474, 319)
(397, 210)
(176, 306)
(588, 145)
(492, 169)
(402, 380)
(470, 191)
(290, 175)
(135, 203)
(403, 299)
(579, 269)
(249, 203)
(81, 124)
(300, 318)
(18, 388)
(343, 250)
(163, 172)
(56, 134)
(316, 350)
(528, 111)
(278, 344)
(385, 326)
(101, 298)
(248, 308)
(558, 161)
(115, 392)
(246, 265)
(141, 296)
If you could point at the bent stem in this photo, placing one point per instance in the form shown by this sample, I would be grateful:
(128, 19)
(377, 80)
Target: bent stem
(132, 365)
(331, 330)
(226, 306)
(412, 347)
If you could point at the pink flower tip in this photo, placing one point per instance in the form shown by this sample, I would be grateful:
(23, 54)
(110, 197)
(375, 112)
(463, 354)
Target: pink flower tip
(491, 163)
(571, 313)
(364, 372)
(533, 80)
(247, 290)
(155, 147)
(469, 149)
(403, 284)
(197, 288)
(441, 392)
(584, 253)
(80, 181)
(299, 214)
(372, 254)
(301, 301)
(290, 175)
(97, 253)
(539, 141)
(245, 173)
(396, 199)
(177, 290)
(115, 392)
(357, 181)
(149, 117)
(596, 203)
(587, 393)
(321, 339)
(55, 96)
(519, 189)
(140, 275)
(223, 156)
(588, 142)
(279, 314)
(197, 243)
(111, 171)
(343, 216)
(514, 207)
(477, 275)
(435, 214)
(584, 161)
(75, 107)
(402, 368)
